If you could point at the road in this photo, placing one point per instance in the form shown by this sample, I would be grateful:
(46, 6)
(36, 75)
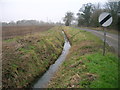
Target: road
(111, 39)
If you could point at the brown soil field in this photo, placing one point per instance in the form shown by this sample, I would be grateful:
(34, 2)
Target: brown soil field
(13, 31)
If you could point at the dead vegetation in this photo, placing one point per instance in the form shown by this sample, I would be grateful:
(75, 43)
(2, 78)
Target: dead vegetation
(28, 57)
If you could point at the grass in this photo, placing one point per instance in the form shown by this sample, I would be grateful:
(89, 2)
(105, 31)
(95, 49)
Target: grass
(113, 31)
(85, 66)
(28, 57)
(10, 40)
(106, 69)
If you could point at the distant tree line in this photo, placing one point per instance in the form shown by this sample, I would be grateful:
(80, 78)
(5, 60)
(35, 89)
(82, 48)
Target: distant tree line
(89, 13)
(26, 23)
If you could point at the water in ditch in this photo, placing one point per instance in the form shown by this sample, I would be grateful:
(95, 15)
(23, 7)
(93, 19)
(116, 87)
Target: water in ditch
(44, 80)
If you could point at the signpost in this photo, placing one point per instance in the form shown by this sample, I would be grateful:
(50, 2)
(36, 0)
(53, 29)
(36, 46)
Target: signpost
(105, 19)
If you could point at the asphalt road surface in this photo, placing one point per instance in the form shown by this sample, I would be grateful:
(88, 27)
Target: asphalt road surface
(111, 39)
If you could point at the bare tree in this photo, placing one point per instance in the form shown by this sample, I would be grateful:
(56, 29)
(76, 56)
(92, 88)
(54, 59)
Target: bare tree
(68, 18)
(112, 7)
(86, 12)
(94, 16)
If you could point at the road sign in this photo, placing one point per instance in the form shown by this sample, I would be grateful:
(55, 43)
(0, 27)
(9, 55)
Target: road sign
(105, 19)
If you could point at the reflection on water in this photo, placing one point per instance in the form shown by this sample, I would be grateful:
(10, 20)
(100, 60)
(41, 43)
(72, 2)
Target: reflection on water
(44, 80)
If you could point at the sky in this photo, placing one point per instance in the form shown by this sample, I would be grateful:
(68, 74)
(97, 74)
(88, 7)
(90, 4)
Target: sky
(45, 10)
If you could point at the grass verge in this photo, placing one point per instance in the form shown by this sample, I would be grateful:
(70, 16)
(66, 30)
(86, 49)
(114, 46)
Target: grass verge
(113, 31)
(85, 66)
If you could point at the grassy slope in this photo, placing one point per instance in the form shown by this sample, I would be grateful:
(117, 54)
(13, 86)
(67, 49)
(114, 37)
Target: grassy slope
(25, 58)
(85, 66)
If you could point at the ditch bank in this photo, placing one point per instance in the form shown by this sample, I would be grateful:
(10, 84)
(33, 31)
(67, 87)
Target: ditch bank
(45, 79)
(85, 66)
(26, 58)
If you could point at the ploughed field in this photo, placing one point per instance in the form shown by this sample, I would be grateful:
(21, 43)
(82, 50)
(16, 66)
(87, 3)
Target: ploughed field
(13, 31)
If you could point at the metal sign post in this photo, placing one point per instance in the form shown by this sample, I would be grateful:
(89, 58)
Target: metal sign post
(105, 20)
(104, 41)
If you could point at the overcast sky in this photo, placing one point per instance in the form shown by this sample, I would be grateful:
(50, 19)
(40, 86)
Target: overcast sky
(45, 10)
